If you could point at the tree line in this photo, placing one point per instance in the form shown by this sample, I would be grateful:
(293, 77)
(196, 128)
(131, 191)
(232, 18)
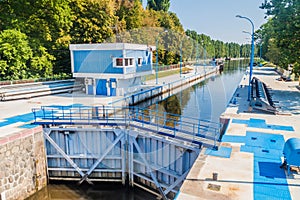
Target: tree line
(35, 34)
(280, 36)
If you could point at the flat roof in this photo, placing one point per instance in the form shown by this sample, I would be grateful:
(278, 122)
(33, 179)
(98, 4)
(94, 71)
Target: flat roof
(111, 46)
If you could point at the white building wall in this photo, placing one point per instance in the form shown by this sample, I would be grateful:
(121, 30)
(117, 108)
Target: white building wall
(129, 85)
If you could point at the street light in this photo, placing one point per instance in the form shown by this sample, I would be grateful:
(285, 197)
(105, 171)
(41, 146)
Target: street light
(252, 54)
(247, 32)
(156, 67)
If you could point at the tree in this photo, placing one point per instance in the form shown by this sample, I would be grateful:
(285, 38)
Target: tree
(93, 21)
(283, 30)
(46, 23)
(159, 5)
(15, 53)
(41, 64)
(131, 12)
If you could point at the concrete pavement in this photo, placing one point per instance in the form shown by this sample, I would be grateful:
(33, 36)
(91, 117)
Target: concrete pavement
(247, 165)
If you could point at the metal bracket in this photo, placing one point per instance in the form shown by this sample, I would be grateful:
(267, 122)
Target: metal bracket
(141, 153)
(46, 134)
(85, 176)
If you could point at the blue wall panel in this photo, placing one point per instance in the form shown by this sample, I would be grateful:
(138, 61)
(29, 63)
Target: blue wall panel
(96, 61)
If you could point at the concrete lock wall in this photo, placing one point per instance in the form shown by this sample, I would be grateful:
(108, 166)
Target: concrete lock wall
(22, 164)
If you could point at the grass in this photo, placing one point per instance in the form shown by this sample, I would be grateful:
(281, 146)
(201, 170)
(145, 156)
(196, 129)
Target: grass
(166, 73)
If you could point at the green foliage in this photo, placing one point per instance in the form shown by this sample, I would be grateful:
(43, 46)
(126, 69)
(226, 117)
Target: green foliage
(132, 13)
(41, 64)
(93, 21)
(216, 48)
(15, 52)
(158, 5)
(281, 34)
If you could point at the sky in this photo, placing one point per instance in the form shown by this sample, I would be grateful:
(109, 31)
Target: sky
(216, 18)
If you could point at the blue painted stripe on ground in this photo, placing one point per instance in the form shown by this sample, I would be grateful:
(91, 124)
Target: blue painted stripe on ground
(262, 152)
(269, 179)
(223, 152)
(28, 126)
(28, 117)
(233, 138)
(266, 140)
(261, 123)
(240, 121)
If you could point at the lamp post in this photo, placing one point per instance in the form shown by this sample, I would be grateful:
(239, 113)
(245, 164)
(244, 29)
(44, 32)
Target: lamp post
(156, 66)
(252, 54)
(197, 58)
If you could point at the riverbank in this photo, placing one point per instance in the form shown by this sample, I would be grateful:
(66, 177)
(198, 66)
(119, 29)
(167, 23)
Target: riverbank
(247, 164)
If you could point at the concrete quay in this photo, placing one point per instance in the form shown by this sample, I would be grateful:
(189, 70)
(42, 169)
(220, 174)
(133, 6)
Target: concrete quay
(23, 164)
(247, 164)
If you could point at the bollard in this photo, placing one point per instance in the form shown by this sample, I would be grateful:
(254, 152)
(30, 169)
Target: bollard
(215, 176)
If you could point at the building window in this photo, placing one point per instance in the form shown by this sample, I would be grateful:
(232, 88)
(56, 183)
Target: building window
(119, 62)
(123, 62)
(140, 61)
(126, 61)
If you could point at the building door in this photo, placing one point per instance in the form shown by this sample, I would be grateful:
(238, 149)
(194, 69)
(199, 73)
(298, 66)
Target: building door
(101, 87)
(113, 87)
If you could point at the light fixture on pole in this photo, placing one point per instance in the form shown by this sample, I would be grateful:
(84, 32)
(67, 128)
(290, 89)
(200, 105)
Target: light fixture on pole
(156, 66)
(252, 54)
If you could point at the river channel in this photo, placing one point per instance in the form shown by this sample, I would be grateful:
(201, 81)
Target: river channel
(207, 101)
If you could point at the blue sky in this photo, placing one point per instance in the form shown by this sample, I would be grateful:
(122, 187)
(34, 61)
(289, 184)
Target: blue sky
(216, 18)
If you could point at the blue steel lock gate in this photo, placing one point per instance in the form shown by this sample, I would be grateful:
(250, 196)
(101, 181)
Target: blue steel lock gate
(143, 146)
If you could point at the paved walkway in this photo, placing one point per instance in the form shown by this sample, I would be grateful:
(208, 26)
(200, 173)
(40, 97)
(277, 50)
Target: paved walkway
(175, 77)
(247, 164)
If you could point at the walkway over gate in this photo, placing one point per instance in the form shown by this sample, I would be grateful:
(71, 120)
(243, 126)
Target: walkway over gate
(180, 128)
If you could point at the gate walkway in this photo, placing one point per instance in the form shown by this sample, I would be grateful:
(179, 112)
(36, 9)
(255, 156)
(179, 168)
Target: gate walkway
(178, 128)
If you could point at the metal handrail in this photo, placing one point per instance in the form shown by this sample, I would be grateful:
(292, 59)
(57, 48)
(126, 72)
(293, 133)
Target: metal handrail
(160, 121)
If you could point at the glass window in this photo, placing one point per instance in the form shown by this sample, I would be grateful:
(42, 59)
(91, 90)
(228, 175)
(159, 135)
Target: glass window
(119, 62)
(140, 61)
(126, 61)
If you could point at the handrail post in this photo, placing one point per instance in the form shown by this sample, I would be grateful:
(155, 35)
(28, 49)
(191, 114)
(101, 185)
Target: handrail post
(175, 128)
(34, 115)
(52, 116)
(80, 117)
(70, 116)
(63, 112)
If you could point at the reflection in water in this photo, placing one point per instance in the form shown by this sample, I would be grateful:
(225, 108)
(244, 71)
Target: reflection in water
(206, 100)
(71, 191)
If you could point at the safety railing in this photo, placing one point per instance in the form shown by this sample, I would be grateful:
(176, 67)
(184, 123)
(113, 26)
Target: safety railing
(185, 128)
(78, 115)
(177, 123)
